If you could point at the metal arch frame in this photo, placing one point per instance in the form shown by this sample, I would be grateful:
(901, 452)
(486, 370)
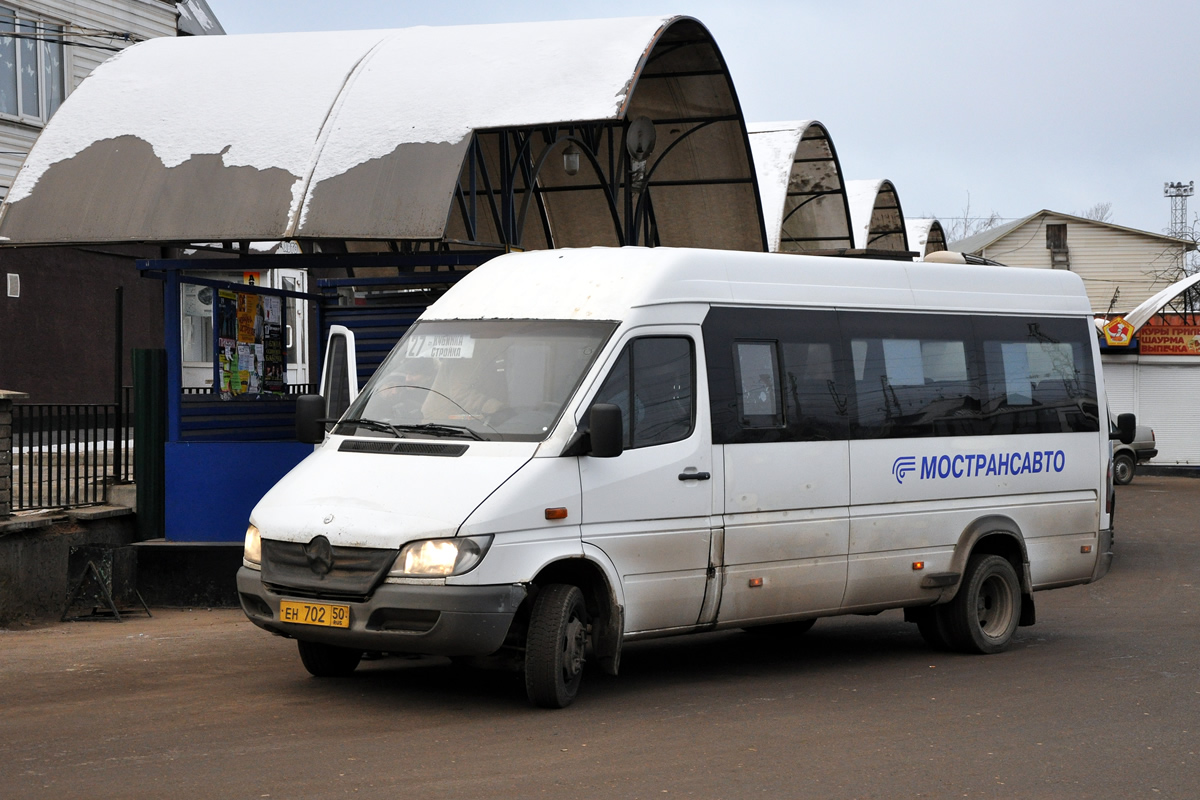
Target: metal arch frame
(655, 52)
(532, 176)
(521, 168)
(812, 196)
(615, 182)
(874, 235)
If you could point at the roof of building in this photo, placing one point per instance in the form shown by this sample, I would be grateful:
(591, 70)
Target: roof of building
(976, 244)
(197, 19)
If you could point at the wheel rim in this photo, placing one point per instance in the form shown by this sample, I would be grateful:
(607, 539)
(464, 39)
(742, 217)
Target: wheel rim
(573, 648)
(1123, 470)
(994, 608)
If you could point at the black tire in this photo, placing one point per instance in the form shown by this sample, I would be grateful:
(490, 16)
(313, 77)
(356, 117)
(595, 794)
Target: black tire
(985, 613)
(1123, 468)
(555, 646)
(931, 623)
(783, 629)
(328, 661)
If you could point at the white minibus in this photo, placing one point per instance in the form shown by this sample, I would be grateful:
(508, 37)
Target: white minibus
(573, 449)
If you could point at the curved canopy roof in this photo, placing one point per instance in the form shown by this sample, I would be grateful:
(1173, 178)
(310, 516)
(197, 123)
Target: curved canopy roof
(1142, 314)
(925, 236)
(800, 182)
(875, 215)
(376, 135)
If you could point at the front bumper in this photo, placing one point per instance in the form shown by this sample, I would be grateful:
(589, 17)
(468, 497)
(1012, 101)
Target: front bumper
(1105, 556)
(429, 619)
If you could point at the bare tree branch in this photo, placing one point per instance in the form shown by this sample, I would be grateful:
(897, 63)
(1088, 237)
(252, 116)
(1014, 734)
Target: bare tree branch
(1100, 212)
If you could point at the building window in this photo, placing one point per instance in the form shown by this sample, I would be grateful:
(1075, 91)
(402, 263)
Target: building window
(1056, 237)
(32, 66)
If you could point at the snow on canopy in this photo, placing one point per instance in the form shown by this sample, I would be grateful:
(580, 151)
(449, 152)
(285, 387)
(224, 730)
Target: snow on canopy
(800, 183)
(925, 236)
(349, 135)
(876, 216)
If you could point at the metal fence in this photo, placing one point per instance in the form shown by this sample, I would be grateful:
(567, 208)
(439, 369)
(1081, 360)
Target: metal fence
(67, 455)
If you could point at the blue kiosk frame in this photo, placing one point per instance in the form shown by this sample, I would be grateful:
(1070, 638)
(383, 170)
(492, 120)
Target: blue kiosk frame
(221, 456)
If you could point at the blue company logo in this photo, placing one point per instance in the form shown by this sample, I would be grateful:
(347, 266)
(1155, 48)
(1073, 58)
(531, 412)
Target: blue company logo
(903, 466)
(975, 465)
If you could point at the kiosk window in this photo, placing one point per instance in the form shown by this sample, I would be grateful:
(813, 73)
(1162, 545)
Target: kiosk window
(653, 384)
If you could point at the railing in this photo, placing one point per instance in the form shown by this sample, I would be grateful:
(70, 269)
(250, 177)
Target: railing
(66, 456)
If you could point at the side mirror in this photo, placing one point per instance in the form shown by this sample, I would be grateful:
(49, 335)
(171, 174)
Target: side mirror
(310, 419)
(607, 430)
(1126, 428)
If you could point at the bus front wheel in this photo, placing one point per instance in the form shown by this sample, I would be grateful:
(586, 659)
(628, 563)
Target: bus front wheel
(328, 661)
(555, 646)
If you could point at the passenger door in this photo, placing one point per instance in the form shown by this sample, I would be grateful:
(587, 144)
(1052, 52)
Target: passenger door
(782, 421)
(650, 509)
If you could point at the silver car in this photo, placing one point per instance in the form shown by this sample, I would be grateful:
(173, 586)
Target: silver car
(1126, 457)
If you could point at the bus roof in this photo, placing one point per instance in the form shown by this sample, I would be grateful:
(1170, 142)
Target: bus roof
(606, 283)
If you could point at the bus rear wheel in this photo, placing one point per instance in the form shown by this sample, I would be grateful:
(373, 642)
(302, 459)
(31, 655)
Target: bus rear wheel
(985, 613)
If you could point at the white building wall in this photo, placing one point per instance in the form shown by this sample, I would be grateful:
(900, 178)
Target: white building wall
(141, 19)
(1162, 392)
(1106, 258)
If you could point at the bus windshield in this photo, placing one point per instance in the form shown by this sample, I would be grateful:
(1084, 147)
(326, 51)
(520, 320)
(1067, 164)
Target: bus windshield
(502, 380)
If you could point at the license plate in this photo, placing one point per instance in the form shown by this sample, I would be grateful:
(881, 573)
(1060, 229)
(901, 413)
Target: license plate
(324, 614)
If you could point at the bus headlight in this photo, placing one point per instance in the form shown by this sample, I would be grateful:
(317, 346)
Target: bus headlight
(438, 558)
(252, 552)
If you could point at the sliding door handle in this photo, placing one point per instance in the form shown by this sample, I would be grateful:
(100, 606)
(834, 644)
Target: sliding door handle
(694, 476)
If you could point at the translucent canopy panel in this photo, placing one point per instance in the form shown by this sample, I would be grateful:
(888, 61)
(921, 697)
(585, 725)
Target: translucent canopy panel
(876, 216)
(427, 134)
(800, 181)
(925, 236)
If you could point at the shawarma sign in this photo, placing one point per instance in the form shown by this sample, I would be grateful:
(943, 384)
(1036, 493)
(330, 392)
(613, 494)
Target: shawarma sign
(1169, 341)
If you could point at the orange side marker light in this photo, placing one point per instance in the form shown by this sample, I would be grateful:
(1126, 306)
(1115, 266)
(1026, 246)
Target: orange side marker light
(556, 513)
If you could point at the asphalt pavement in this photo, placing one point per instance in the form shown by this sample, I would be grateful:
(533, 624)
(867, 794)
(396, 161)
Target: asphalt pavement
(1100, 699)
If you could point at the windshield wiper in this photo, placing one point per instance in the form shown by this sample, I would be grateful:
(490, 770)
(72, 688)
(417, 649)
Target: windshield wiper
(373, 424)
(441, 430)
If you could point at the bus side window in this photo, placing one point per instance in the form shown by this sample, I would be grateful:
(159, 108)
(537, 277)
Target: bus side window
(914, 375)
(1038, 375)
(776, 375)
(756, 365)
(653, 383)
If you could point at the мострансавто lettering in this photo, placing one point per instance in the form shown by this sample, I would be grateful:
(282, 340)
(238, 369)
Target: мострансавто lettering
(1028, 462)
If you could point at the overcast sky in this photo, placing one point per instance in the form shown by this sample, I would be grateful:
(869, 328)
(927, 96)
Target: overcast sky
(1023, 105)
